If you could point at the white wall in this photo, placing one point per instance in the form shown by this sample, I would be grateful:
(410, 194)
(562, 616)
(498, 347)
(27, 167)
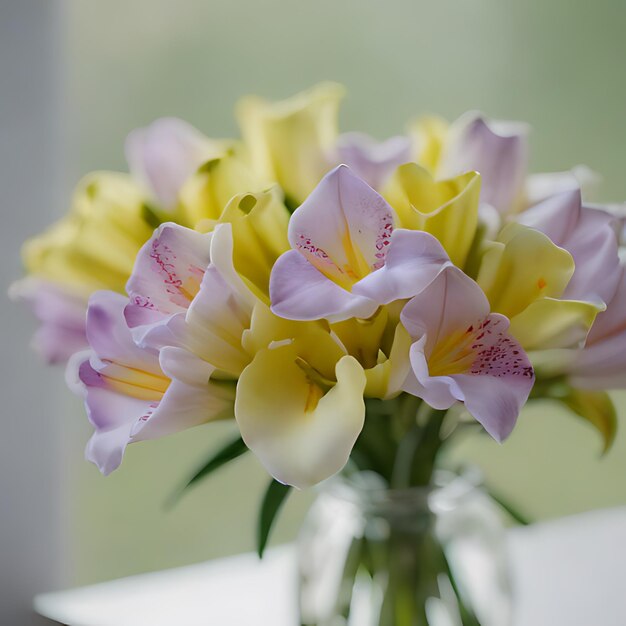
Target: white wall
(32, 502)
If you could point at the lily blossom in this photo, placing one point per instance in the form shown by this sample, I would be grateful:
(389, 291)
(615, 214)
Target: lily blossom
(164, 154)
(133, 394)
(371, 160)
(463, 352)
(346, 259)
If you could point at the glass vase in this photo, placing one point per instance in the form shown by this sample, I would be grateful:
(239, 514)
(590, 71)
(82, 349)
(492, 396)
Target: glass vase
(435, 555)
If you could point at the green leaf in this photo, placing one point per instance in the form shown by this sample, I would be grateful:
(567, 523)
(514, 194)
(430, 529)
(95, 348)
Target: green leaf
(229, 452)
(272, 502)
(596, 407)
(508, 508)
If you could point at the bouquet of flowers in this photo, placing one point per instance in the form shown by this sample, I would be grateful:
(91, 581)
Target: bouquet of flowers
(343, 300)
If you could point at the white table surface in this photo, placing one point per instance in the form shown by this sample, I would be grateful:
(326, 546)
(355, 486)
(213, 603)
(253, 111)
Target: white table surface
(569, 572)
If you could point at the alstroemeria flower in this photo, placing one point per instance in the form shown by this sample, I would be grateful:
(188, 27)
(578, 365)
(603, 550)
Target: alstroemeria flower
(347, 259)
(300, 408)
(601, 364)
(373, 161)
(289, 141)
(588, 235)
(164, 154)
(463, 352)
(61, 314)
(184, 291)
(133, 394)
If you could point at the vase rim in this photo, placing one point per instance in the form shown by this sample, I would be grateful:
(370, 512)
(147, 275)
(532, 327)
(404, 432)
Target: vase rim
(367, 489)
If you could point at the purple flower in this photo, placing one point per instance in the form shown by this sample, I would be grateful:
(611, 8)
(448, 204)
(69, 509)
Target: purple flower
(133, 394)
(463, 352)
(347, 259)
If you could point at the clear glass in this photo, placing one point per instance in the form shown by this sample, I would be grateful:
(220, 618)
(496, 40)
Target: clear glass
(436, 556)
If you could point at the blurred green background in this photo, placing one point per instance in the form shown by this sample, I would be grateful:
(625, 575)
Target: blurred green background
(558, 65)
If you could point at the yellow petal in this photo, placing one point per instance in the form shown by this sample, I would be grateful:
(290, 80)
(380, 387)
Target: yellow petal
(95, 246)
(259, 222)
(447, 209)
(301, 432)
(385, 379)
(362, 338)
(205, 194)
(550, 323)
(266, 328)
(429, 134)
(521, 267)
(289, 140)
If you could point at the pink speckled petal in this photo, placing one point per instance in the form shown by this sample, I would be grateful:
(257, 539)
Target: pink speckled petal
(451, 303)
(167, 274)
(414, 259)
(478, 362)
(298, 291)
(343, 227)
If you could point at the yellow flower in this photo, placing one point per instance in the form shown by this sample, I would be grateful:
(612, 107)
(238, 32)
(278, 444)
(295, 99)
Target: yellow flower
(289, 141)
(94, 247)
(206, 192)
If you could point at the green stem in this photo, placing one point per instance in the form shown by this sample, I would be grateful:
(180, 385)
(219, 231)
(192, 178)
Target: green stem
(400, 475)
(427, 448)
